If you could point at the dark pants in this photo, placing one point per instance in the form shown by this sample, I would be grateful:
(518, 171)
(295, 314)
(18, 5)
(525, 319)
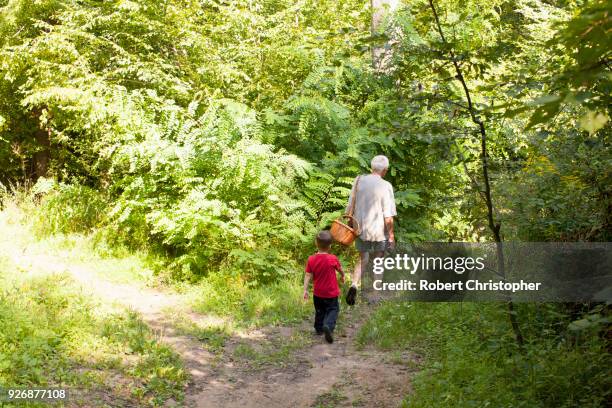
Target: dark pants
(326, 312)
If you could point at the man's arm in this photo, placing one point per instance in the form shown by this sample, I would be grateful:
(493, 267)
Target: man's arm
(307, 277)
(389, 227)
(389, 211)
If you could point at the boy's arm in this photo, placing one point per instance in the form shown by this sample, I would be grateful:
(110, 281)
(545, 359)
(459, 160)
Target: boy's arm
(307, 277)
(339, 269)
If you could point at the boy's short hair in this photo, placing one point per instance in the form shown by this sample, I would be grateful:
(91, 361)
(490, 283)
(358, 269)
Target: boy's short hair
(324, 239)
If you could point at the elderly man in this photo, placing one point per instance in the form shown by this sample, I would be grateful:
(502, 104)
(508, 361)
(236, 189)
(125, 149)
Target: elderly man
(374, 211)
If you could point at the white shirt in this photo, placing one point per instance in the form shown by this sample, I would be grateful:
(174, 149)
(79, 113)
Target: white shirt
(375, 202)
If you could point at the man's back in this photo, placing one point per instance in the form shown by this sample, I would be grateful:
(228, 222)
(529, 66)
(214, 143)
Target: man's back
(375, 202)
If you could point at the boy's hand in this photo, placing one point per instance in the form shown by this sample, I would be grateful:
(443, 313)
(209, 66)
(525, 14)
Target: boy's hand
(305, 295)
(342, 278)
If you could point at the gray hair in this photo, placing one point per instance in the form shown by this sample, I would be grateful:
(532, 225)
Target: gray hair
(380, 163)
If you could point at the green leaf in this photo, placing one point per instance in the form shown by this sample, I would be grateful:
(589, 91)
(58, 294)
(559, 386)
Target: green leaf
(593, 121)
(544, 100)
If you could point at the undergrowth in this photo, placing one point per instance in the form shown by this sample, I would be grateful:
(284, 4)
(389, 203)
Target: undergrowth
(277, 303)
(471, 358)
(53, 336)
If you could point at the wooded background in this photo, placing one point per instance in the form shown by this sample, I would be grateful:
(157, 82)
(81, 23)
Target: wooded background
(219, 136)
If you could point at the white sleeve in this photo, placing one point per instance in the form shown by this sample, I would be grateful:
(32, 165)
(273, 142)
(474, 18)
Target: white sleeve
(389, 203)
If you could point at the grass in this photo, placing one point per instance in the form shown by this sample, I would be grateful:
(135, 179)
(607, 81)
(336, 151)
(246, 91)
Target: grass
(279, 303)
(275, 351)
(471, 358)
(213, 333)
(79, 243)
(53, 336)
(78, 250)
(330, 399)
(21, 221)
(340, 395)
(59, 337)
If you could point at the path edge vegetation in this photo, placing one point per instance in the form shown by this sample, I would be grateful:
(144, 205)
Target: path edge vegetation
(215, 140)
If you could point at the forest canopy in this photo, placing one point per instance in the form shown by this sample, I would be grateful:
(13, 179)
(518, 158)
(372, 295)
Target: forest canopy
(192, 149)
(225, 133)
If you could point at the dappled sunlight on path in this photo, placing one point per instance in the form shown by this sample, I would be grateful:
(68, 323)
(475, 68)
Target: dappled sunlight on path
(271, 366)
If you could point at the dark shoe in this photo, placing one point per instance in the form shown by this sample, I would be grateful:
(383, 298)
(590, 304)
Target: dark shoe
(318, 333)
(350, 296)
(328, 334)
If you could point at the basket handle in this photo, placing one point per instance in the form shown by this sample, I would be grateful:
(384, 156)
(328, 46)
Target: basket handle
(352, 207)
(353, 221)
(353, 198)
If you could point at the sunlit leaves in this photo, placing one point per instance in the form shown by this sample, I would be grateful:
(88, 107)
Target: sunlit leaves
(593, 121)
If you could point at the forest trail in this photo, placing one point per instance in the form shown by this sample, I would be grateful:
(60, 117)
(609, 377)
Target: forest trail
(271, 366)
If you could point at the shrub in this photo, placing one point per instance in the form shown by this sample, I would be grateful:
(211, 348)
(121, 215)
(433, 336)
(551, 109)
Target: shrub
(207, 193)
(66, 208)
(471, 359)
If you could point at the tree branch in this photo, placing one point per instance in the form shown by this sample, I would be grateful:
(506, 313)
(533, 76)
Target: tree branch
(495, 227)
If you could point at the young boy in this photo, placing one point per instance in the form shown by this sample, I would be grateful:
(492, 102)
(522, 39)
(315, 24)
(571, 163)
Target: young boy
(322, 267)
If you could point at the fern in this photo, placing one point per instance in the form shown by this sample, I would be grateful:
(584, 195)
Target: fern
(330, 110)
(324, 194)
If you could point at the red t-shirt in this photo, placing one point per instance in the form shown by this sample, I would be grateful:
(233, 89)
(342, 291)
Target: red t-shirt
(323, 268)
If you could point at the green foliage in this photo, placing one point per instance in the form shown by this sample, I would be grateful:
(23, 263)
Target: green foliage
(67, 208)
(219, 137)
(124, 88)
(276, 303)
(324, 196)
(53, 337)
(471, 359)
(543, 195)
(207, 192)
(581, 47)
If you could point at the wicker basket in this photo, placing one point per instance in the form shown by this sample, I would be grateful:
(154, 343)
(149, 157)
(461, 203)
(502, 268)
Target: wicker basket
(342, 233)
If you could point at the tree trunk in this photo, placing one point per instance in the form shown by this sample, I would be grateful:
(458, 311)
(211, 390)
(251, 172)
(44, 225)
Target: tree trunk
(43, 155)
(381, 55)
(495, 227)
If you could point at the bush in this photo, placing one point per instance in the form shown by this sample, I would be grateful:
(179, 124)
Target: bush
(65, 208)
(211, 196)
(471, 359)
(231, 296)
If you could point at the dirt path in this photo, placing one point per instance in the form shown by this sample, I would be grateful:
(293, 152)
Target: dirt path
(317, 374)
(271, 367)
